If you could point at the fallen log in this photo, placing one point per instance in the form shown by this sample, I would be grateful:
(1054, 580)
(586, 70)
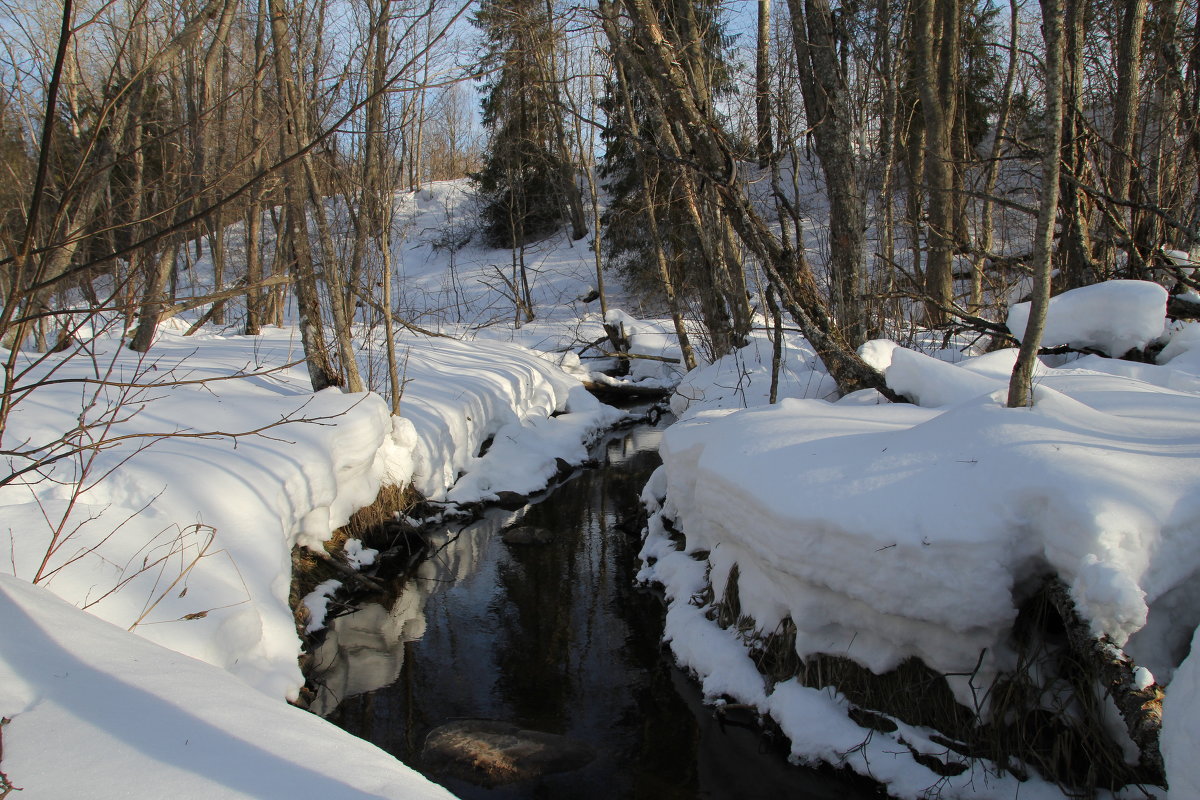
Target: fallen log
(626, 391)
(646, 356)
(1140, 705)
(1182, 307)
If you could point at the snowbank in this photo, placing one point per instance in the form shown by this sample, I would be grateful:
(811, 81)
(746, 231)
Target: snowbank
(461, 394)
(189, 539)
(101, 713)
(1181, 726)
(1113, 317)
(743, 378)
(885, 532)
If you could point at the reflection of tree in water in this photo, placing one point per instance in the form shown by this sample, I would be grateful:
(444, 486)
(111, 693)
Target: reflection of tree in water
(561, 636)
(557, 637)
(662, 745)
(663, 759)
(536, 613)
(575, 625)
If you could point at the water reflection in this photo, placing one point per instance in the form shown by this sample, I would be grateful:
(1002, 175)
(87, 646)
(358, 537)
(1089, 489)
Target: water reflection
(553, 637)
(365, 650)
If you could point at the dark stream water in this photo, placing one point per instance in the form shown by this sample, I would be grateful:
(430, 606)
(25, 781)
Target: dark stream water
(553, 637)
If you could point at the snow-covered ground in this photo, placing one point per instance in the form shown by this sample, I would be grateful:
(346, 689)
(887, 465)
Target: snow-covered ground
(217, 500)
(93, 711)
(885, 531)
(181, 479)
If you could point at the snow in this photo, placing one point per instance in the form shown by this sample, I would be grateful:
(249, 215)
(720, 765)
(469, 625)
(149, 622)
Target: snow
(1182, 350)
(883, 531)
(889, 531)
(357, 555)
(221, 512)
(461, 394)
(933, 383)
(217, 460)
(1183, 259)
(837, 739)
(1113, 317)
(189, 539)
(316, 603)
(101, 713)
(743, 378)
(1181, 726)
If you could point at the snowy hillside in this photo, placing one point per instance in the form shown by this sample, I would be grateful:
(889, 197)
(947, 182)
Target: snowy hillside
(168, 490)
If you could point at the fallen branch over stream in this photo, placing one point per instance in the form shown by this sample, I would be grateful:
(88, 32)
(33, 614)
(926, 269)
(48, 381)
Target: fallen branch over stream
(620, 390)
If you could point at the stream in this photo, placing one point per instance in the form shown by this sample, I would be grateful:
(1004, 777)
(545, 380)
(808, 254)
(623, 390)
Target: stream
(553, 637)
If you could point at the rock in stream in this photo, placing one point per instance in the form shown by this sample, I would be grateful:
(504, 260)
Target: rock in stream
(491, 753)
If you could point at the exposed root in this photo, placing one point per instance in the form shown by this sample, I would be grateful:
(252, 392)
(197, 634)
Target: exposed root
(1104, 663)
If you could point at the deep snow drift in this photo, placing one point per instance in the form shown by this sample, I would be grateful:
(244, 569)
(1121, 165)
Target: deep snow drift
(887, 531)
(188, 474)
(100, 713)
(190, 539)
(882, 531)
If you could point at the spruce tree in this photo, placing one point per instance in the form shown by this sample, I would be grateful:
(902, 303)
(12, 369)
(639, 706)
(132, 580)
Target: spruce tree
(626, 236)
(638, 172)
(526, 176)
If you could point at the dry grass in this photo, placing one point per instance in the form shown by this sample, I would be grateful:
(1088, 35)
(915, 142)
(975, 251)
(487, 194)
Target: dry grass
(370, 522)
(374, 525)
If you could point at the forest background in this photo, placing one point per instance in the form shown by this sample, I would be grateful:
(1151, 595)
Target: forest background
(865, 169)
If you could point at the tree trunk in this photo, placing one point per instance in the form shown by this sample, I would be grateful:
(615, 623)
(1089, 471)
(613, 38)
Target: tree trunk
(152, 300)
(762, 84)
(296, 238)
(662, 76)
(1140, 708)
(202, 142)
(340, 310)
(1129, 58)
(935, 32)
(1075, 251)
(570, 185)
(1020, 386)
(885, 269)
(644, 167)
(255, 301)
(824, 85)
(986, 230)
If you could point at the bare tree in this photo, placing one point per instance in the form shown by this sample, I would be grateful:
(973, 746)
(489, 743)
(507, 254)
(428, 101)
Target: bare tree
(762, 85)
(824, 83)
(296, 245)
(936, 34)
(1020, 386)
(703, 148)
(987, 218)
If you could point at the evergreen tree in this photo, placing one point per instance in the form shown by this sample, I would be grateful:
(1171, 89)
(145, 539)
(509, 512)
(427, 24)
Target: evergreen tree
(527, 180)
(627, 240)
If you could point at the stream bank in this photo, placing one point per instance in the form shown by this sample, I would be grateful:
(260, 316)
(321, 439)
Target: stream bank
(551, 636)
